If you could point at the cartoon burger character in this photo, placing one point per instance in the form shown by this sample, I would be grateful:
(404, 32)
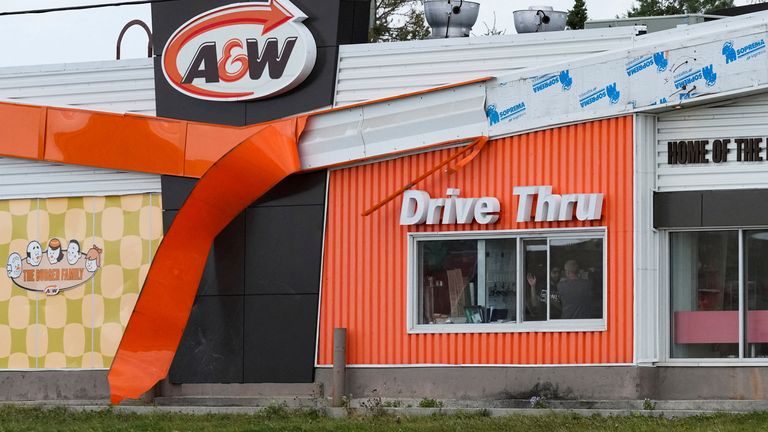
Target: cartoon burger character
(73, 252)
(34, 253)
(14, 266)
(54, 251)
(93, 259)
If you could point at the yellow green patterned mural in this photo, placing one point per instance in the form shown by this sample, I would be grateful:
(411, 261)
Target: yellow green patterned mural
(66, 305)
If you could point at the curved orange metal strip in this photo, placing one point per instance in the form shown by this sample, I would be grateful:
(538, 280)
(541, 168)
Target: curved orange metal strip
(227, 188)
(127, 142)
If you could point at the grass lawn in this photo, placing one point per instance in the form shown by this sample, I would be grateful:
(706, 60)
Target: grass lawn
(34, 419)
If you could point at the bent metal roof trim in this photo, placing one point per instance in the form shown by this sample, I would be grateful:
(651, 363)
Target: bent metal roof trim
(673, 68)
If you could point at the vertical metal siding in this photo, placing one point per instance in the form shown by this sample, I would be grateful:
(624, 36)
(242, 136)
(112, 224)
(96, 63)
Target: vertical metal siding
(365, 263)
(743, 117)
(371, 71)
(647, 335)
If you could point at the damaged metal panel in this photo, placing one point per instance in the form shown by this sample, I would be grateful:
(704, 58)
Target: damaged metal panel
(407, 124)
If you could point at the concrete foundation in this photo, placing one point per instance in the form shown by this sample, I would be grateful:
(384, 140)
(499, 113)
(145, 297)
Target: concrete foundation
(53, 385)
(607, 383)
(593, 383)
(496, 383)
(674, 383)
(582, 383)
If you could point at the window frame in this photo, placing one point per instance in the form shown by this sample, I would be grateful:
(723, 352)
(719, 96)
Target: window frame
(665, 339)
(519, 326)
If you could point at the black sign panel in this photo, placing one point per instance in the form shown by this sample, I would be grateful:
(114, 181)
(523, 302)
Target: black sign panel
(332, 22)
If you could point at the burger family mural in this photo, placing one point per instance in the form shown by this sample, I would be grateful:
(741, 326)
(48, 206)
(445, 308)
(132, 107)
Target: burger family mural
(54, 270)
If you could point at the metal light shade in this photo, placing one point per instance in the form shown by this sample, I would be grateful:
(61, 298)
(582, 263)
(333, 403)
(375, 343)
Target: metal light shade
(450, 18)
(539, 19)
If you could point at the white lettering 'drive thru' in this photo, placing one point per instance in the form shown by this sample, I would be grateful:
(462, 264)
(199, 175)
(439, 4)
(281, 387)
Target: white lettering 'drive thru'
(419, 208)
(551, 207)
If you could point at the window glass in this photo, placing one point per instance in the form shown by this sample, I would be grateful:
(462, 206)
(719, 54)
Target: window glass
(468, 281)
(535, 296)
(756, 293)
(576, 278)
(476, 281)
(448, 271)
(501, 279)
(704, 286)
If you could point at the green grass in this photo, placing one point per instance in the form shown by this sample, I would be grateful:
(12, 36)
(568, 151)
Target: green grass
(33, 419)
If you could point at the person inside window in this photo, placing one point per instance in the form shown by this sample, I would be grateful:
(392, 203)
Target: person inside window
(537, 298)
(577, 295)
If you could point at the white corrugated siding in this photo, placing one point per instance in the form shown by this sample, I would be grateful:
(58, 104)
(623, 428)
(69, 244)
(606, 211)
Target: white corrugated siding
(32, 179)
(745, 117)
(371, 71)
(116, 86)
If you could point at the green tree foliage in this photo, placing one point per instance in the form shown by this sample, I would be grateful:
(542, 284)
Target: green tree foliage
(398, 20)
(578, 15)
(676, 7)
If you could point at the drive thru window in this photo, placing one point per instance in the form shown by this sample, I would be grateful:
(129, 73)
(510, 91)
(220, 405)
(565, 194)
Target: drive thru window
(508, 281)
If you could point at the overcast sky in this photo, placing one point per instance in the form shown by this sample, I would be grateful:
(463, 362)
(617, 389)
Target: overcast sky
(76, 36)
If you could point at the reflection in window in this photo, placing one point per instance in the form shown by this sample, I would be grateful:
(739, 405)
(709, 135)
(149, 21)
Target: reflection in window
(756, 293)
(577, 267)
(564, 276)
(468, 281)
(704, 285)
(535, 295)
(500, 279)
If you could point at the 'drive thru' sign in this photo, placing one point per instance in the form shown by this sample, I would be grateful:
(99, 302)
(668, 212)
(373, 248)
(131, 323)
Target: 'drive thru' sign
(420, 208)
(243, 51)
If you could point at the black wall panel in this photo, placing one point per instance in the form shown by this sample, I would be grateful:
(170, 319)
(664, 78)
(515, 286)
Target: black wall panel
(720, 208)
(211, 350)
(292, 264)
(268, 256)
(223, 273)
(175, 192)
(280, 341)
(297, 190)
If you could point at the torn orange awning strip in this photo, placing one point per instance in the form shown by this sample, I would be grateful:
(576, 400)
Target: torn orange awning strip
(476, 146)
(227, 188)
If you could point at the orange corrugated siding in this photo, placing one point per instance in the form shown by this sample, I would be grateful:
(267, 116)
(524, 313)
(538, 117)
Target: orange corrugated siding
(365, 267)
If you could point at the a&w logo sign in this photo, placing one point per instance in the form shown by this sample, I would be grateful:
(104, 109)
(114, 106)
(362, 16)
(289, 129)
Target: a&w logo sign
(241, 51)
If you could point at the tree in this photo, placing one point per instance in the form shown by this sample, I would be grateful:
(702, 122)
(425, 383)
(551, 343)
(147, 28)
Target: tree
(676, 7)
(397, 20)
(578, 15)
